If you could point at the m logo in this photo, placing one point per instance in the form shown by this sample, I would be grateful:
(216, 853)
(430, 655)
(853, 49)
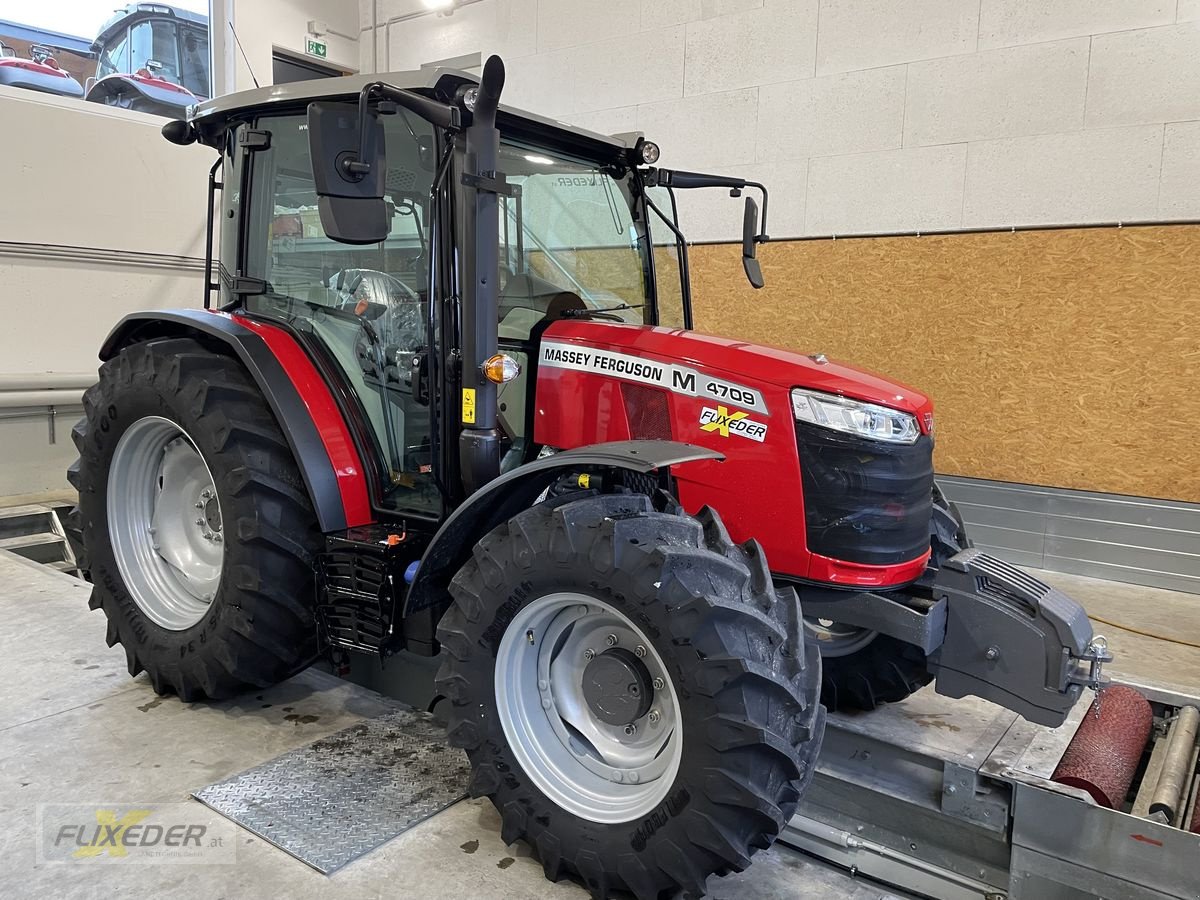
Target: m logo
(724, 422)
(683, 381)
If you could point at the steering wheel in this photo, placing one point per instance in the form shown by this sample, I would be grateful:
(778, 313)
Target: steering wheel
(369, 292)
(396, 317)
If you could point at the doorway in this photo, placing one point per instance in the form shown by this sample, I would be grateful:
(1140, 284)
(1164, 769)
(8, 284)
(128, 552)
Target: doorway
(286, 69)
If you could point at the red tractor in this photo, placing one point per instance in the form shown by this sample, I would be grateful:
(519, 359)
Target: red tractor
(153, 58)
(41, 72)
(445, 398)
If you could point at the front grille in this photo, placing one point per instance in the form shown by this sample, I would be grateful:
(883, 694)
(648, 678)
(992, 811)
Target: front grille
(865, 501)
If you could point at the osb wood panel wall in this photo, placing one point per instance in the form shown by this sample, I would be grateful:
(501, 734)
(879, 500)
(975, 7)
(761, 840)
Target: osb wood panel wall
(1068, 358)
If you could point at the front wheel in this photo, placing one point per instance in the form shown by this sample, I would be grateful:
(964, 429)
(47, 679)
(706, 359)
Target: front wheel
(634, 695)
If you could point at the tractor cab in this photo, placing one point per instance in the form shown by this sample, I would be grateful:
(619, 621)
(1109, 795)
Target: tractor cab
(153, 58)
(576, 236)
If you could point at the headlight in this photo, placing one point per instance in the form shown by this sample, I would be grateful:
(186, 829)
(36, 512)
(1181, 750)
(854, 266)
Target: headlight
(868, 420)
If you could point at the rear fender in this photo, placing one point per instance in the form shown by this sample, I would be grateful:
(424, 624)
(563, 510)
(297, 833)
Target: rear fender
(302, 403)
(501, 499)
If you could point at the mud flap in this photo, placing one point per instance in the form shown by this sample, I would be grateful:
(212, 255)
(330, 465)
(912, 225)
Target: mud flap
(1013, 640)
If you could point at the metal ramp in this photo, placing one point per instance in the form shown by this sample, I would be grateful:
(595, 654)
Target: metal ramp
(36, 533)
(338, 798)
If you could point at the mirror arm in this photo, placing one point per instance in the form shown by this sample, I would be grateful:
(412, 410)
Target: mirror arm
(439, 114)
(672, 178)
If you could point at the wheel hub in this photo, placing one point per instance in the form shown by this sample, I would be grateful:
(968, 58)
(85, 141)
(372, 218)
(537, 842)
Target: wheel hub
(617, 687)
(837, 639)
(164, 520)
(594, 723)
(212, 514)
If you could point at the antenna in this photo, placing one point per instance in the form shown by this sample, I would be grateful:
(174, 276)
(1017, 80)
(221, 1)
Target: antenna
(245, 59)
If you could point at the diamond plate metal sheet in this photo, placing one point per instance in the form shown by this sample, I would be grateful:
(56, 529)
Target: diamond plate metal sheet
(330, 802)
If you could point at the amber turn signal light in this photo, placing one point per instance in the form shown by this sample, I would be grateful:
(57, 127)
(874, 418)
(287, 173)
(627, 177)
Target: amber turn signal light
(501, 368)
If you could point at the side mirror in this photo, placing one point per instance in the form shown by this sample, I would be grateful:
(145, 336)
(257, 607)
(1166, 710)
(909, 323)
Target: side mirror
(749, 245)
(179, 132)
(349, 167)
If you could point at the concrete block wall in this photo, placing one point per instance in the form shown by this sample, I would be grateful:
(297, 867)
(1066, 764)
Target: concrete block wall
(862, 116)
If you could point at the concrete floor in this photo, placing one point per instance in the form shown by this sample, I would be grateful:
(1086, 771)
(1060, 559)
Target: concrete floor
(75, 728)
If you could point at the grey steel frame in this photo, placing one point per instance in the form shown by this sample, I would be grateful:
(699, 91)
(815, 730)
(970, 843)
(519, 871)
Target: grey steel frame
(952, 799)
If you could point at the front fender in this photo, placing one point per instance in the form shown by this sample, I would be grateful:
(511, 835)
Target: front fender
(501, 499)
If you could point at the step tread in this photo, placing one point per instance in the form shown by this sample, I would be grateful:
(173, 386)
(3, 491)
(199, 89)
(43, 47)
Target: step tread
(36, 539)
(31, 509)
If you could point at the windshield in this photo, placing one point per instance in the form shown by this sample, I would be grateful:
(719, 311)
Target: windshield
(154, 48)
(568, 238)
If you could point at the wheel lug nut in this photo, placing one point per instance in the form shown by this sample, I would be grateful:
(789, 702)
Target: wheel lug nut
(634, 777)
(216, 539)
(630, 730)
(611, 640)
(639, 651)
(618, 777)
(199, 504)
(654, 717)
(659, 684)
(200, 521)
(589, 653)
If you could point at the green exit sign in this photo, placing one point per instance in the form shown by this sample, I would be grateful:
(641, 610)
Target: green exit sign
(316, 48)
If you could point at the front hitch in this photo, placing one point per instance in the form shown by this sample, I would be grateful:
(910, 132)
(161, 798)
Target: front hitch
(1013, 640)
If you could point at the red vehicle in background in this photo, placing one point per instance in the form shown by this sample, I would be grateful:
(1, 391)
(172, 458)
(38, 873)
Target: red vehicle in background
(40, 72)
(152, 58)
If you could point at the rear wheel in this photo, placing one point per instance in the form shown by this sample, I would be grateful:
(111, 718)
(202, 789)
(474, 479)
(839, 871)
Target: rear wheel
(195, 525)
(634, 695)
(862, 668)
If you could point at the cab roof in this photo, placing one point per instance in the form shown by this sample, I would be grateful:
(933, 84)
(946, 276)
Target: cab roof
(135, 12)
(213, 116)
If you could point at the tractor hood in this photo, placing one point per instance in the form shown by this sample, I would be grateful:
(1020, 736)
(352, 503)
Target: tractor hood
(739, 360)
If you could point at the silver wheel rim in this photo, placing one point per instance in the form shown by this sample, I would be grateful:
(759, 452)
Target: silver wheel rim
(164, 523)
(592, 769)
(835, 639)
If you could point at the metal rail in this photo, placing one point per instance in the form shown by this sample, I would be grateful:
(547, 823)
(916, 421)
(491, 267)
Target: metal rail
(954, 799)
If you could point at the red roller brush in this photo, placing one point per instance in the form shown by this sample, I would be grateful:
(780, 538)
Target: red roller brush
(1104, 754)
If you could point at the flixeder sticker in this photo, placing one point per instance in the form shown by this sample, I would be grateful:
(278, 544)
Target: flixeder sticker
(725, 422)
(678, 379)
